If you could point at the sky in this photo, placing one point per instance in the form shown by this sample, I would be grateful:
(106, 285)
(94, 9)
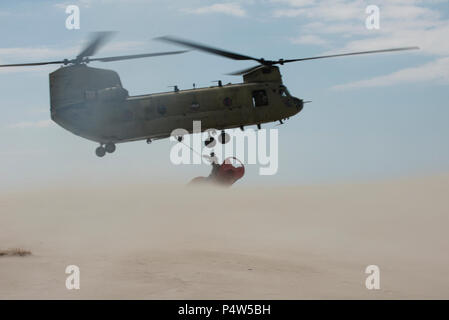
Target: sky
(372, 117)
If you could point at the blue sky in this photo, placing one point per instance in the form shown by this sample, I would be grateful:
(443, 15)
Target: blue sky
(372, 117)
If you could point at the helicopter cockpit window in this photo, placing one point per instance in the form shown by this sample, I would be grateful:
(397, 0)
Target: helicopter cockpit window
(260, 98)
(283, 91)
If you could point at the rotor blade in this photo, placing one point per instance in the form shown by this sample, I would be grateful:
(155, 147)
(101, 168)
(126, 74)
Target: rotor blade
(240, 72)
(137, 56)
(31, 64)
(220, 52)
(347, 54)
(98, 39)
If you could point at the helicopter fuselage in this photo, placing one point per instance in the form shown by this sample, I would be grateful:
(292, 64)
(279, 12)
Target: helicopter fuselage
(92, 103)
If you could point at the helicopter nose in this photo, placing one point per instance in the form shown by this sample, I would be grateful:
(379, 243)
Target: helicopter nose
(298, 103)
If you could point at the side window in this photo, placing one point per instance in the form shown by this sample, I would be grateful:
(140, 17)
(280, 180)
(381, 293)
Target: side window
(260, 98)
(227, 102)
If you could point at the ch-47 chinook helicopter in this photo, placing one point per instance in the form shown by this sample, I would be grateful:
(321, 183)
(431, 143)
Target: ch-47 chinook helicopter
(92, 103)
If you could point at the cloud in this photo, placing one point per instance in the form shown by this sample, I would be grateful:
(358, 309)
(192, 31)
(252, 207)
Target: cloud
(35, 69)
(123, 46)
(81, 3)
(435, 71)
(32, 124)
(309, 39)
(324, 10)
(341, 24)
(295, 3)
(402, 23)
(51, 53)
(233, 9)
(431, 40)
(289, 13)
(36, 52)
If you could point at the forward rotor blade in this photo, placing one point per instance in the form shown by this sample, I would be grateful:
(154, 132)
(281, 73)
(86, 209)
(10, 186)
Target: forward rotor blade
(137, 56)
(202, 47)
(240, 72)
(32, 64)
(347, 54)
(98, 39)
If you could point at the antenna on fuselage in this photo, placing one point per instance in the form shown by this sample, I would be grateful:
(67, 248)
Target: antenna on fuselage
(175, 88)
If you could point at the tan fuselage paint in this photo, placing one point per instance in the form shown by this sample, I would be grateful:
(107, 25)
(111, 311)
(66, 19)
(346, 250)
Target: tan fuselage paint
(99, 109)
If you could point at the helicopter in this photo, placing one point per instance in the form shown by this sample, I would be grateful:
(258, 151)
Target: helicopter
(92, 103)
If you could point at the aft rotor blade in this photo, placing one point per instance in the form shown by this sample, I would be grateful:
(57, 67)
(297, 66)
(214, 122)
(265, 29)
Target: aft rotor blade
(32, 64)
(98, 39)
(240, 72)
(202, 47)
(137, 56)
(347, 54)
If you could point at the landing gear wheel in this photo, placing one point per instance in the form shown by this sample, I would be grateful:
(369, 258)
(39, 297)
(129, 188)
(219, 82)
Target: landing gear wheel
(180, 138)
(100, 151)
(210, 142)
(224, 137)
(109, 147)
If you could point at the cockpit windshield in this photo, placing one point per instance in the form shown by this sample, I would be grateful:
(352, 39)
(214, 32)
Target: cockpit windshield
(283, 91)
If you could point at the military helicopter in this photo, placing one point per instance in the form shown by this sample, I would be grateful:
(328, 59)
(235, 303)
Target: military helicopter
(92, 103)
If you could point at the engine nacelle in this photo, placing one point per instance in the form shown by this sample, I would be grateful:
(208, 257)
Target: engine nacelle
(112, 94)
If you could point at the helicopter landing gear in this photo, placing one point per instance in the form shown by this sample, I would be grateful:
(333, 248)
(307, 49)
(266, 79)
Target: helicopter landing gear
(179, 138)
(210, 142)
(109, 147)
(103, 149)
(224, 137)
(100, 151)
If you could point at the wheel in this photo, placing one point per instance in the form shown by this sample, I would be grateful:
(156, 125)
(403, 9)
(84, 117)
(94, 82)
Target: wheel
(100, 151)
(180, 138)
(109, 147)
(210, 143)
(149, 141)
(224, 137)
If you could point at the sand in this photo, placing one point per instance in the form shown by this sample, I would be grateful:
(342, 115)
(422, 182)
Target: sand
(168, 242)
